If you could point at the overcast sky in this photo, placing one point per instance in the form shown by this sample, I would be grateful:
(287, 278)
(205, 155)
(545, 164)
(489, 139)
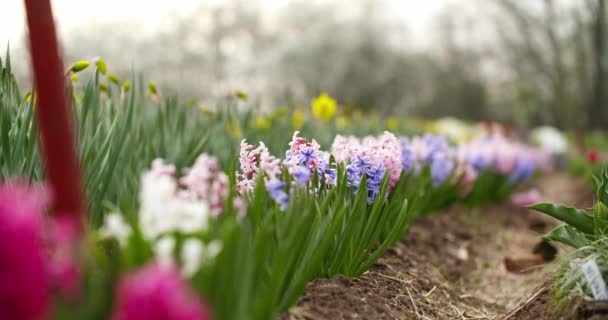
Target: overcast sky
(416, 14)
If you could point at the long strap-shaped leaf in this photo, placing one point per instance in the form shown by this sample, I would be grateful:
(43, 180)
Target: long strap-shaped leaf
(577, 218)
(567, 235)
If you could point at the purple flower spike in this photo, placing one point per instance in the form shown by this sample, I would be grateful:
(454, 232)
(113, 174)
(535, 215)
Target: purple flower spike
(441, 169)
(307, 156)
(276, 188)
(301, 176)
(523, 170)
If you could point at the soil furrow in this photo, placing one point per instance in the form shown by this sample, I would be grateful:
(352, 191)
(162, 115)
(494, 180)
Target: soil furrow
(451, 266)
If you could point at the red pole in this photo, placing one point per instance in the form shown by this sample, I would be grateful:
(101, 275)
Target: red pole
(53, 114)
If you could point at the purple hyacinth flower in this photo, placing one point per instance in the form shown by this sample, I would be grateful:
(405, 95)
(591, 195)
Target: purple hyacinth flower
(276, 189)
(326, 172)
(478, 161)
(407, 159)
(441, 169)
(523, 170)
(362, 163)
(354, 175)
(307, 155)
(301, 176)
(436, 145)
(375, 174)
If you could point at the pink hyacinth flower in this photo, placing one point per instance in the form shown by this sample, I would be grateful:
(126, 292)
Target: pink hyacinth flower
(386, 149)
(522, 199)
(24, 274)
(345, 148)
(156, 293)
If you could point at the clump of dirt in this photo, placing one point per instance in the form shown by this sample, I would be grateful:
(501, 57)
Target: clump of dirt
(451, 266)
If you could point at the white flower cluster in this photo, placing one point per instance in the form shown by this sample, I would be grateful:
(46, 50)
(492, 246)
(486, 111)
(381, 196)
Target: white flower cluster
(162, 210)
(194, 253)
(550, 139)
(165, 210)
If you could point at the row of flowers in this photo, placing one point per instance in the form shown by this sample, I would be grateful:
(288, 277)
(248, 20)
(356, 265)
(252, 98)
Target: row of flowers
(246, 242)
(373, 157)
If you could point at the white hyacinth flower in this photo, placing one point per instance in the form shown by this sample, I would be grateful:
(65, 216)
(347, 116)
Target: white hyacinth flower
(195, 254)
(189, 215)
(213, 249)
(550, 139)
(116, 227)
(163, 250)
(192, 256)
(163, 210)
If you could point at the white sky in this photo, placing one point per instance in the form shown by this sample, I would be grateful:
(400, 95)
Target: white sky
(417, 14)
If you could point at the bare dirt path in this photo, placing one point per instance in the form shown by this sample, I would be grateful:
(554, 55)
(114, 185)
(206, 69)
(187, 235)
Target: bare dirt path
(450, 266)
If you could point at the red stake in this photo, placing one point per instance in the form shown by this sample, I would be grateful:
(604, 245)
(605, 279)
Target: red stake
(53, 114)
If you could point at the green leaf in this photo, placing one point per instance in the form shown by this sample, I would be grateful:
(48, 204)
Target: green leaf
(602, 186)
(567, 235)
(578, 219)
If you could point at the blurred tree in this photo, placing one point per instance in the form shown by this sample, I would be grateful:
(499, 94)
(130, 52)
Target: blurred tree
(597, 108)
(520, 62)
(555, 67)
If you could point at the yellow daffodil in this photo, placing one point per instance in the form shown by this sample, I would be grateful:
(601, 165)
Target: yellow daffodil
(28, 98)
(324, 107)
(342, 122)
(298, 119)
(262, 123)
(431, 127)
(392, 123)
(234, 131)
(282, 111)
(374, 120)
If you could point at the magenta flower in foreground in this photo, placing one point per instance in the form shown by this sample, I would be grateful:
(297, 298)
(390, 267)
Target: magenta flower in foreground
(24, 274)
(157, 293)
(64, 265)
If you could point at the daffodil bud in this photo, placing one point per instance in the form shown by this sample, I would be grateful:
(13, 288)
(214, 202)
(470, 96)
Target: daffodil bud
(152, 90)
(101, 66)
(113, 78)
(126, 86)
(241, 95)
(79, 66)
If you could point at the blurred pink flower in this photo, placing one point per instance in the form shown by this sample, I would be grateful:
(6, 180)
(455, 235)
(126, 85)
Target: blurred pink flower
(206, 181)
(252, 160)
(464, 174)
(541, 158)
(505, 156)
(156, 293)
(345, 148)
(522, 199)
(24, 274)
(159, 167)
(64, 266)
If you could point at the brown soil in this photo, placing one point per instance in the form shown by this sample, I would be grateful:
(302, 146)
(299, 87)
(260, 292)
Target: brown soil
(451, 266)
